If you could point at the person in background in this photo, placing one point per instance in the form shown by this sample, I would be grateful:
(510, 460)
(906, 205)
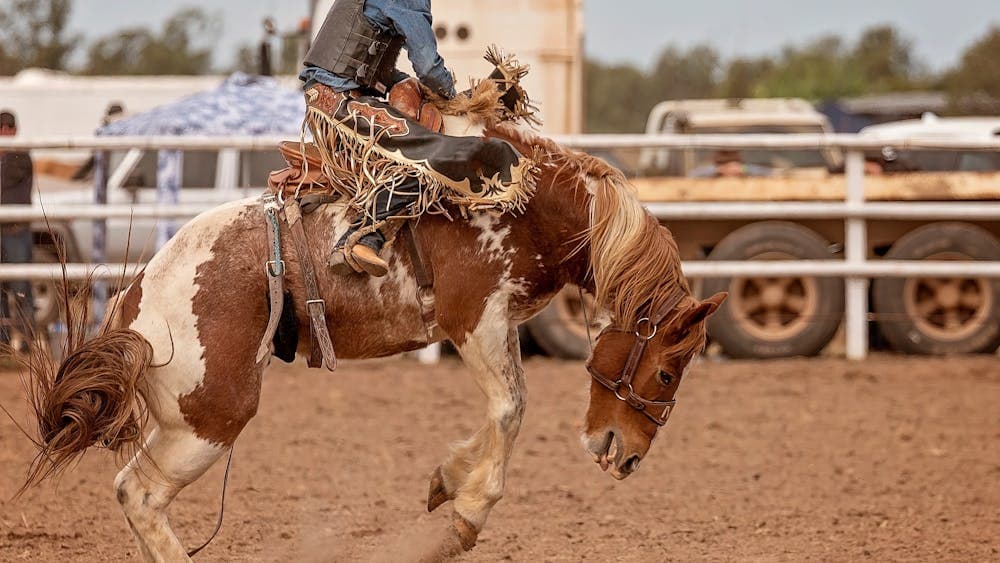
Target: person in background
(729, 164)
(16, 182)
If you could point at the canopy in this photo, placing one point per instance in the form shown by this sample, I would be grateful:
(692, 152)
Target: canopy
(242, 105)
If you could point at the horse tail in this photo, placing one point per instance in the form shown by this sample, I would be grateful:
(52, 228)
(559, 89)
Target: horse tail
(93, 396)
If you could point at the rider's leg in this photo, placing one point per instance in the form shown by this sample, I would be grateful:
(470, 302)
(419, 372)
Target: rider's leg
(388, 203)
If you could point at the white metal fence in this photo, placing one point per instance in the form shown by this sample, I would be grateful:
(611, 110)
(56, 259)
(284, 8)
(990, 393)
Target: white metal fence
(856, 268)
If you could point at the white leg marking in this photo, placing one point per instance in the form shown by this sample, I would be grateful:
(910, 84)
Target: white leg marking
(145, 487)
(476, 469)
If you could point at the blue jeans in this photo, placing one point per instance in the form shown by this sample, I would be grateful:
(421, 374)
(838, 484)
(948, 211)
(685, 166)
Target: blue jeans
(17, 306)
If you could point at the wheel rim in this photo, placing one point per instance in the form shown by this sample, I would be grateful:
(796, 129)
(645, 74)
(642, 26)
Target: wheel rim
(773, 309)
(43, 294)
(948, 309)
(570, 311)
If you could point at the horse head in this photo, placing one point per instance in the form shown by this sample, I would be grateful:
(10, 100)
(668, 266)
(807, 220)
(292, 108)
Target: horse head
(636, 371)
(657, 328)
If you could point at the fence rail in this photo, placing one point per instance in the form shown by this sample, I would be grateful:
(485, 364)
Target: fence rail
(902, 211)
(692, 269)
(854, 211)
(846, 142)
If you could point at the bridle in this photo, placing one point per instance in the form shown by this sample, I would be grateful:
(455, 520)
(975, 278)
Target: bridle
(622, 387)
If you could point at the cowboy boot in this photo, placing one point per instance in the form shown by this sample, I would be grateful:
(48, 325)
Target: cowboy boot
(368, 259)
(362, 257)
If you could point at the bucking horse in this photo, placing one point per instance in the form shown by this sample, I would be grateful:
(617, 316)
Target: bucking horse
(179, 344)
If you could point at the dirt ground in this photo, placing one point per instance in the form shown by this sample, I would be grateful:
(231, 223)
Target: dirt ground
(891, 459)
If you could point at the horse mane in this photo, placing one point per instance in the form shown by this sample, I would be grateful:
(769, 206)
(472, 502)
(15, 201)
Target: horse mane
(634, 260)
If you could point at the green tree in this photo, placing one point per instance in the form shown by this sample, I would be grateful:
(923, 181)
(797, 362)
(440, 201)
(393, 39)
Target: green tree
(139, 51)
(679, 74)
(619, 97)
(35, 35)
(884, 60)
(974, 86)
(820, 70)
(614, 98)
(743, 76)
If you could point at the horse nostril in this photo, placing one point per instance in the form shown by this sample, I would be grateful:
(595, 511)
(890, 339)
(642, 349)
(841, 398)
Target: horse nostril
(631, 464)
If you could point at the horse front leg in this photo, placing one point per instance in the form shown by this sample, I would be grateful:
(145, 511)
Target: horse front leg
(473, 474)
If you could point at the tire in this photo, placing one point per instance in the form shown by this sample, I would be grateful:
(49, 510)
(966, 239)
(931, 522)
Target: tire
(559, 330)
(774, 317)
(941, 316)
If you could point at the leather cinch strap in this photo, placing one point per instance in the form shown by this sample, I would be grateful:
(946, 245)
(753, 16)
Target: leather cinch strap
(275, 270)
(322, 348)
(425, 281)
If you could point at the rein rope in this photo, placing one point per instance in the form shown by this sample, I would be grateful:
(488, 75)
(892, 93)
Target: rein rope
(222, 507)
(586, 319)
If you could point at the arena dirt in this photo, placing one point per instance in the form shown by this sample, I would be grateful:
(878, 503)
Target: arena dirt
(891, 459)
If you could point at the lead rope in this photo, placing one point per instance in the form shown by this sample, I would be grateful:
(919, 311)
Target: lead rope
(222, 507)
(586, 319)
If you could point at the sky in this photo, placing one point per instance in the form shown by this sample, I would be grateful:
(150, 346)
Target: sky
(633, 30)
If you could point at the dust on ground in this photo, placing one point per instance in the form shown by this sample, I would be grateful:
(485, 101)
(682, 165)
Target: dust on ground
(893, 458)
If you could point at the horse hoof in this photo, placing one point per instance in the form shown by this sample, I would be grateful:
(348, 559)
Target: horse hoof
(466, 532)
(437, 494)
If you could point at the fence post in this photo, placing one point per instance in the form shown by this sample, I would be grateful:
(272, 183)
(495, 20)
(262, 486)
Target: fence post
(856, 249)
(169, 176)
(98, 252)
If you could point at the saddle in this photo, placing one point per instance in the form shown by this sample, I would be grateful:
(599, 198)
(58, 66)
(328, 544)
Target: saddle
(301, 188)
(304, 177)
(408, 98)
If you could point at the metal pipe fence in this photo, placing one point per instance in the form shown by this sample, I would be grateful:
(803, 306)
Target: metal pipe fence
(856, 268)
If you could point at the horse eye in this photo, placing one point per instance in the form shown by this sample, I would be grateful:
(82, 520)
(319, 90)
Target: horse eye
(664, 377)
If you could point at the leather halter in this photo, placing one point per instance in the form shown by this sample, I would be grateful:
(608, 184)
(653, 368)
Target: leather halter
(657, 411)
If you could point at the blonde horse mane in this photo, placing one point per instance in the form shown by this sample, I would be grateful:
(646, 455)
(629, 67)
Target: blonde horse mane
(634, 260)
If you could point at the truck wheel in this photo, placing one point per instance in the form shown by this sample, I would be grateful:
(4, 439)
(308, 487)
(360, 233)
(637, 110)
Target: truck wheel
(941, 315)
(774, 317)
(560, 331)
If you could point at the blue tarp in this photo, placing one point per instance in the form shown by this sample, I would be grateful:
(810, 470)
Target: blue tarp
(242, 105)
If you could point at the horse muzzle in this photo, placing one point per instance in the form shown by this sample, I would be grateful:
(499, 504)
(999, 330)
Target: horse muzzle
(608, 450)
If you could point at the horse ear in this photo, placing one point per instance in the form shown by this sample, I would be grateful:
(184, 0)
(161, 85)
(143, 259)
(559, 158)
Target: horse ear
(703, 309)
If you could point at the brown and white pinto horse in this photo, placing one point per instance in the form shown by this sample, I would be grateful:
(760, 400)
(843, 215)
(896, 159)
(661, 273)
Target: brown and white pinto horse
(180, 341)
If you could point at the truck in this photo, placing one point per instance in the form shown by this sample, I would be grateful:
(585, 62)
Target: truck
(801, 316)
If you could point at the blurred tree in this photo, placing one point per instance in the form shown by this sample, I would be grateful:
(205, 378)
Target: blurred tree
(614, 98)
(820, 70)
(884, 59)
(619, 97)
(138, 51)
(742, 77)
(687, 74)
(35, 35)
(974, 86)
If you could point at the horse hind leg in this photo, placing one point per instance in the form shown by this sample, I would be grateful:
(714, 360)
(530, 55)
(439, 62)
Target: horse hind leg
(171, 460)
